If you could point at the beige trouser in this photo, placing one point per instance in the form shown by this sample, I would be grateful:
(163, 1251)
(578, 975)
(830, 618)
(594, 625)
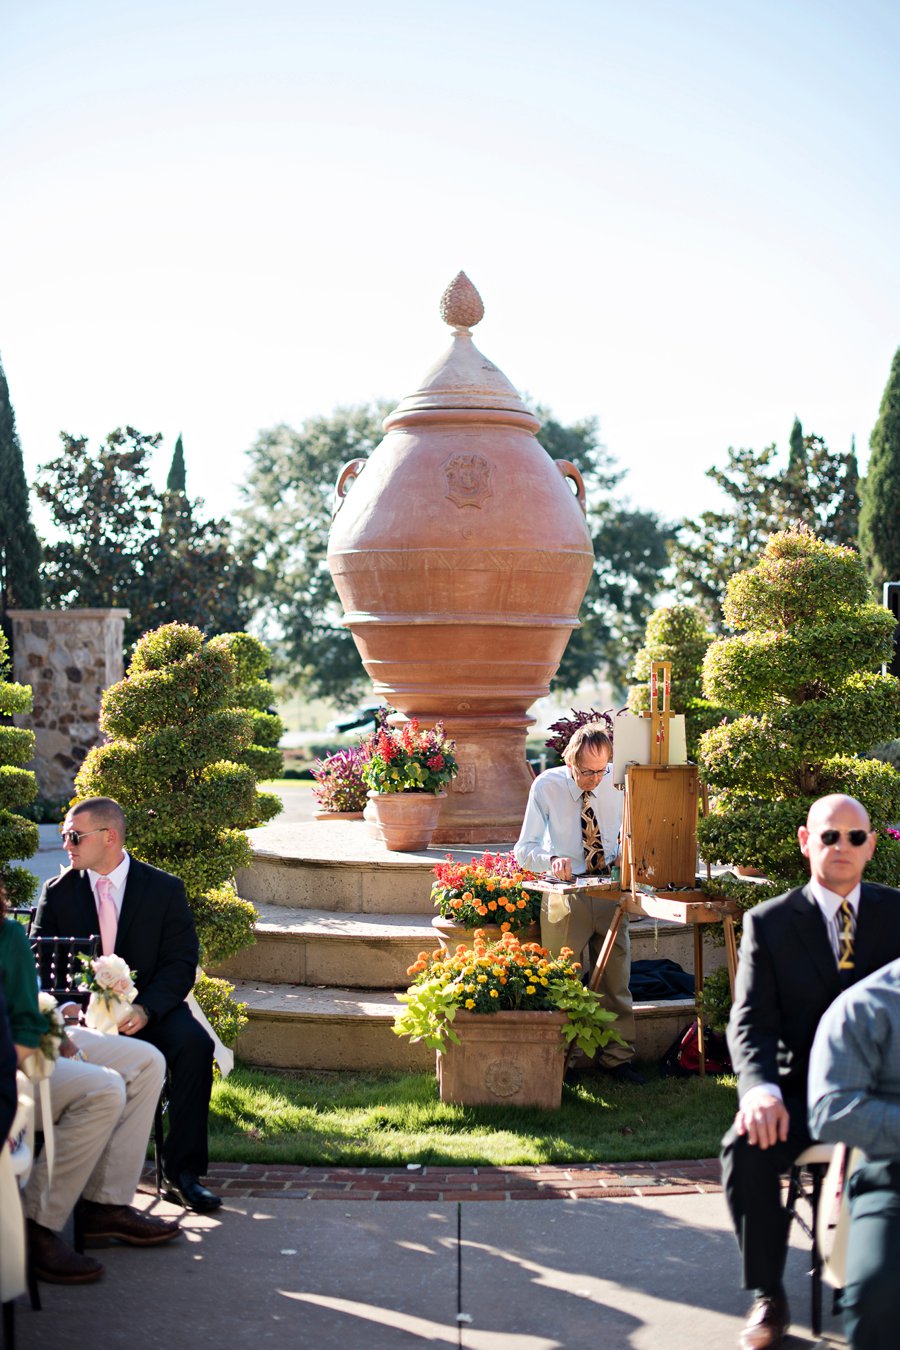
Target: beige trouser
(102, 1115)
(583, 929)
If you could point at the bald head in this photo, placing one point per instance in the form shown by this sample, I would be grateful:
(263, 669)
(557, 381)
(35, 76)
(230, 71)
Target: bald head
(838, 840)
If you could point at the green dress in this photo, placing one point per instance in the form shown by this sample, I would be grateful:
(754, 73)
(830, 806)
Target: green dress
(20, 985)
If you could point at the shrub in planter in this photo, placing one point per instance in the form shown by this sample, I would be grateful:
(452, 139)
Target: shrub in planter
(406, 759)
(18, 789)
(486, 891)
(339, 782)
(803, 672)
(173, 761)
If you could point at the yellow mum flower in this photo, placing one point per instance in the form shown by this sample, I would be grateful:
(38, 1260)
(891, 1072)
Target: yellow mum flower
(494, 993)
(482, 979)
(470, 1003)
(530, 989)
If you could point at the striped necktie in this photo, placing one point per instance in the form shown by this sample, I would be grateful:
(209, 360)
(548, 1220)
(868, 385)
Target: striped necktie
(846, 928)
(594, 857)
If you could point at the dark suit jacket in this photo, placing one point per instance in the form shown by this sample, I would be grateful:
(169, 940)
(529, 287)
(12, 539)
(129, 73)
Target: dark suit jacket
(787, 976)
(156, 933)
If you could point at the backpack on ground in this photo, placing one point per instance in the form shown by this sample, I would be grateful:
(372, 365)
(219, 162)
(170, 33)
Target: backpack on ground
(683, 1056)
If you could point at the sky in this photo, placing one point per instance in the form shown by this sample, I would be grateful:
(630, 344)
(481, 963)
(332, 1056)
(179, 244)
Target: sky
(683, 219)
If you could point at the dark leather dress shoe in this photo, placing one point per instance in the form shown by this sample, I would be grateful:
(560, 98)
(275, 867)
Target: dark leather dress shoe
(120, 1223)
(187, 1191)
(766, 1325)
(54, 1260)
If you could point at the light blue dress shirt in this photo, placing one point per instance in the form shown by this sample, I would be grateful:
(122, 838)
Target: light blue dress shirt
(552, 824)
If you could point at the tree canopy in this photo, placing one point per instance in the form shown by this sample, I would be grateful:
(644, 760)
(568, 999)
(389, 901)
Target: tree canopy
(122, 543)
(818, 490)
(20, 549)
(879, 517)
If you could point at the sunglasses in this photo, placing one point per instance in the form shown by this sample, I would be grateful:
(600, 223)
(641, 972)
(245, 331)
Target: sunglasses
(855, 837)
(74, 837)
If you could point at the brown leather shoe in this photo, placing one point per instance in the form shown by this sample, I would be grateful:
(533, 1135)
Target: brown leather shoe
(121, 1223)
(766, 1325)
(54, 1261)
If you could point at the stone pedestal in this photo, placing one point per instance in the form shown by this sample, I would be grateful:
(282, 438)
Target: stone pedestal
(69, 657)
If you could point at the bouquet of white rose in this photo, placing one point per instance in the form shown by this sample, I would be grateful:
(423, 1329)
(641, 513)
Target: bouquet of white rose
(111, 986)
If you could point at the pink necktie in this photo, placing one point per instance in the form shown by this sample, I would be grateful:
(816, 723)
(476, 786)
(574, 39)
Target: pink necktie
(106, 912)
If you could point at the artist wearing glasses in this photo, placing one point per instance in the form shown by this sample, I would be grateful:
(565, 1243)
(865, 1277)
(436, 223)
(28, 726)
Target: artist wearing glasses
(572, 824)
(142, 915)
(798, 952)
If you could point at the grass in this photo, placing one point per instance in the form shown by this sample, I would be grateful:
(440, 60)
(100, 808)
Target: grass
(368, 1119)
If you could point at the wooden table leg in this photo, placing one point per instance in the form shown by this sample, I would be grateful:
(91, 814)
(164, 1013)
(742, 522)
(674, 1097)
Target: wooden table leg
(698, 991)
(730, 950)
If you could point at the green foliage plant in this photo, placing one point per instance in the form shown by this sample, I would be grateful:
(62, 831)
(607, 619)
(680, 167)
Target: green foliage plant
(254, 695)
(18, 789)
(879, 516)
(339, 783)
(803, 672)
(173, 762)
(495, 977)
(20, 549)
(486, 890)
(678, 634)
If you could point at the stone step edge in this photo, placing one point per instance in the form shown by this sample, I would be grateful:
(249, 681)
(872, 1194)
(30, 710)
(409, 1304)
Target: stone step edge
(312, 1003)
(327, 923)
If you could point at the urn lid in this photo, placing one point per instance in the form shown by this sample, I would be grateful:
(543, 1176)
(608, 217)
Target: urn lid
(463, 377)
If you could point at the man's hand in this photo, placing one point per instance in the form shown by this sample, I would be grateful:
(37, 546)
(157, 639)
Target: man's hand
(561, 868)
(763, 1119)
(136, 1020)
(67, 1048)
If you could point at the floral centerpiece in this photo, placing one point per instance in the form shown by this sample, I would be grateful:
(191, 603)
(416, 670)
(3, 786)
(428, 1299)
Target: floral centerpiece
(495, 976)
(112, 991)
(406, 759)
(340, 788)
(486, 890)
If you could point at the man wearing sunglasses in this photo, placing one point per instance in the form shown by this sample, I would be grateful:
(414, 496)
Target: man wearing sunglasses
(798, 952)
(142, 915)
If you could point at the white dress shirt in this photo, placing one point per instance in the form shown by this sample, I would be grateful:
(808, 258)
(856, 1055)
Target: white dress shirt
(552, 824)
(118, 876)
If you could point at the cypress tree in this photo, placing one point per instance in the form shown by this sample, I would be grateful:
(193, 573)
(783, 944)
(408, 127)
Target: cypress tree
(879, 515)
(20, 549)
(177, 479)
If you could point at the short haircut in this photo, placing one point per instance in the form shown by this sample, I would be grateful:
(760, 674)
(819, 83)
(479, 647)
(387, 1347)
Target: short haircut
(108, 813)
(591, 736)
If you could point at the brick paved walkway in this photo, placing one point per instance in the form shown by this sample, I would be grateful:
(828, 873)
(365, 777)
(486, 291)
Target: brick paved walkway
(241, 1181)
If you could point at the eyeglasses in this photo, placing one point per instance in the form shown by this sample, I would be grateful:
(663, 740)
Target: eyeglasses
(855, 837)
(590, 773)
(74, 837)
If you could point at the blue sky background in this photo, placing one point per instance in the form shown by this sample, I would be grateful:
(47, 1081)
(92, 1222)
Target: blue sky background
(215, 217)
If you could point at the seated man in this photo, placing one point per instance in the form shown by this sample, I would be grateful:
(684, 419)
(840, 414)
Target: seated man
(854, 1098)
(103, 1093)
(142, 915)
(571, 827)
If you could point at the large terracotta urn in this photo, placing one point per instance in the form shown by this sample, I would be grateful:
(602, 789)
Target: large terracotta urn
(461, 556)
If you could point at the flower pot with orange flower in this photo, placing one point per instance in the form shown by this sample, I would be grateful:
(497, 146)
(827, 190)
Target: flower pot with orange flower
(405, 770)
(485, 893)
(501, 1016)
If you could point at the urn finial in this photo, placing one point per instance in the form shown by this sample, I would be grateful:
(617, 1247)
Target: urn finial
(461, 305)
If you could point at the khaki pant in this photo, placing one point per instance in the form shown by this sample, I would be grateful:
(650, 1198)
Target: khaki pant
(102, 1113)
(583, 929)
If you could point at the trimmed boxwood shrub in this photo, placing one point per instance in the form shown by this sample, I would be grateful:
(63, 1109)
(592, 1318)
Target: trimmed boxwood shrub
(18, 789)
(677, 633)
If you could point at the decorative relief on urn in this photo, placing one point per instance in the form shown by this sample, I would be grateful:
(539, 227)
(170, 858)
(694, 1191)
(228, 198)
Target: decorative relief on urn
(468, 480)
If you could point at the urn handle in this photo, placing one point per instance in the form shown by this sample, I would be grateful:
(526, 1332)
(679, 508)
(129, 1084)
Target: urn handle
(568, 470)
(346, 478)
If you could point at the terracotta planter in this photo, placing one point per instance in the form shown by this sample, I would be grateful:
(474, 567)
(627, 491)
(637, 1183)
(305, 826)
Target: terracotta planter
(404, 821)
(451, 935)
(461, 557)
(505, 1059)
(338, 815)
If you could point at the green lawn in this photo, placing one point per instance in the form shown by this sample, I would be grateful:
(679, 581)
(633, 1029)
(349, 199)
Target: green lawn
(369, 1119)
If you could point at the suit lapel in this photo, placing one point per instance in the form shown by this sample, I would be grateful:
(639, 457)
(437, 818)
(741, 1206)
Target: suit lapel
(130, 901)
(86, 917)
(810, 928)
(871, 932)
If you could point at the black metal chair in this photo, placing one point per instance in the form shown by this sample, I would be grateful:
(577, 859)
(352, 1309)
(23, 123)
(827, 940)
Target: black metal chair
(805, 1183)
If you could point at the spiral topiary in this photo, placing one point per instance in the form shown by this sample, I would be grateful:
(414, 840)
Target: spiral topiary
(177, 762)
(18, 787)
(805, 674)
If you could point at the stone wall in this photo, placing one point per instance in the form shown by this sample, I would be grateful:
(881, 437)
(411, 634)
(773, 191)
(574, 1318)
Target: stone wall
(68, 657)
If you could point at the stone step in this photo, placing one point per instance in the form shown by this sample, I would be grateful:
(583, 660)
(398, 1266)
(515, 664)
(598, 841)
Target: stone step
(367, 951)
(338, 865)
(299, 1027)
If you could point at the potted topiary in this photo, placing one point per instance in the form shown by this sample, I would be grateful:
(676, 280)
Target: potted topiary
(501, 1016)
(487, 894)
(405, 771)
